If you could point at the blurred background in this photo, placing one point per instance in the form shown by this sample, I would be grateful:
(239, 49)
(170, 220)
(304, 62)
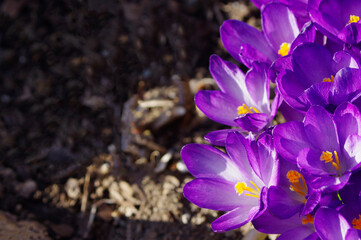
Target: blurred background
(96, 100)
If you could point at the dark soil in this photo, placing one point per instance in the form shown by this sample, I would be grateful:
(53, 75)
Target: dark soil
(96, 101)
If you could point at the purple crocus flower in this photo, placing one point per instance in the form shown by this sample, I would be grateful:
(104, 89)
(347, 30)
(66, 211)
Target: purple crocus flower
(292, 195)
(243, 100)
(235, 182)
(247, 44)
(314, 77)
(323, 145)
(338, 19)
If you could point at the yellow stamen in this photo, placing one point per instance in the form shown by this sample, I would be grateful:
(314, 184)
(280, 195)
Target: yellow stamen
(329, 79)
(327, 157)
(356, 222)
(242, 186)
(307, 219)
(354, 19)
(284, 49)
(245, 109)
(293, 177)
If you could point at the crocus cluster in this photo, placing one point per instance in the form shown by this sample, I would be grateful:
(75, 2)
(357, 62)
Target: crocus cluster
(300, 178)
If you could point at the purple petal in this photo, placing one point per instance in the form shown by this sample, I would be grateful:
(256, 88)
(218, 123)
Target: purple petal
(258, 86)
(318, 94)
(290, 114)
(267, 223)
(311, 63)
(353, 151)
(312, 202)
(289, 139)
(346, 86)
(208, 162)
(219, 137)
(321, 130)
(239, 150)
(278, 66)
(265, 161)
(216, 195)
(330, 224)
(279, 24)
(352, 234)
(351, 33)
(218, 106)
(343, 59)
(299, 233)
(330, 183)
(291, 88)
(309, 160)
(253, 122)
(234, 219)
(347, 118)
(307, 34)
(235, 33)
(281, 204)
(229, 78)
(248, 54)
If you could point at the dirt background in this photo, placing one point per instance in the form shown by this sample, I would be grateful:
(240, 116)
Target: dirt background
(96, 101)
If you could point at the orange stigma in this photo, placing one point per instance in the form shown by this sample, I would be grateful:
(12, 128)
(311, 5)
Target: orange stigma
(327, 157)
(307, 219)
(296, 186)
(330, 79)
(242, 186)
(245, 109)
(356, 222)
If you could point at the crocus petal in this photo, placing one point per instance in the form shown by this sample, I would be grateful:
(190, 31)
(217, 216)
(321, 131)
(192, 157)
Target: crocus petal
(353, 151)
(318, 94)
(299, 233)
(216, 194)
(290, 114)
(291, 89)
(208, 162)
(253, 122)
(289, 139)
(239, 150)
(219, 137)
(311, 63)
(257, 85)
(279, 24)
(343, 59)
(312, 202)
(229, 78)
(267, 223)
(234, 33)
(330, 224)
(330, 183)
(351, 33)
(234, 219)
(346, 86)
(265, 162)
(248, 54)
(352, 234)
(281, 204)
(321, 130)
(348, 121)
(307, 34)
(218, 106)
(309, 160)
